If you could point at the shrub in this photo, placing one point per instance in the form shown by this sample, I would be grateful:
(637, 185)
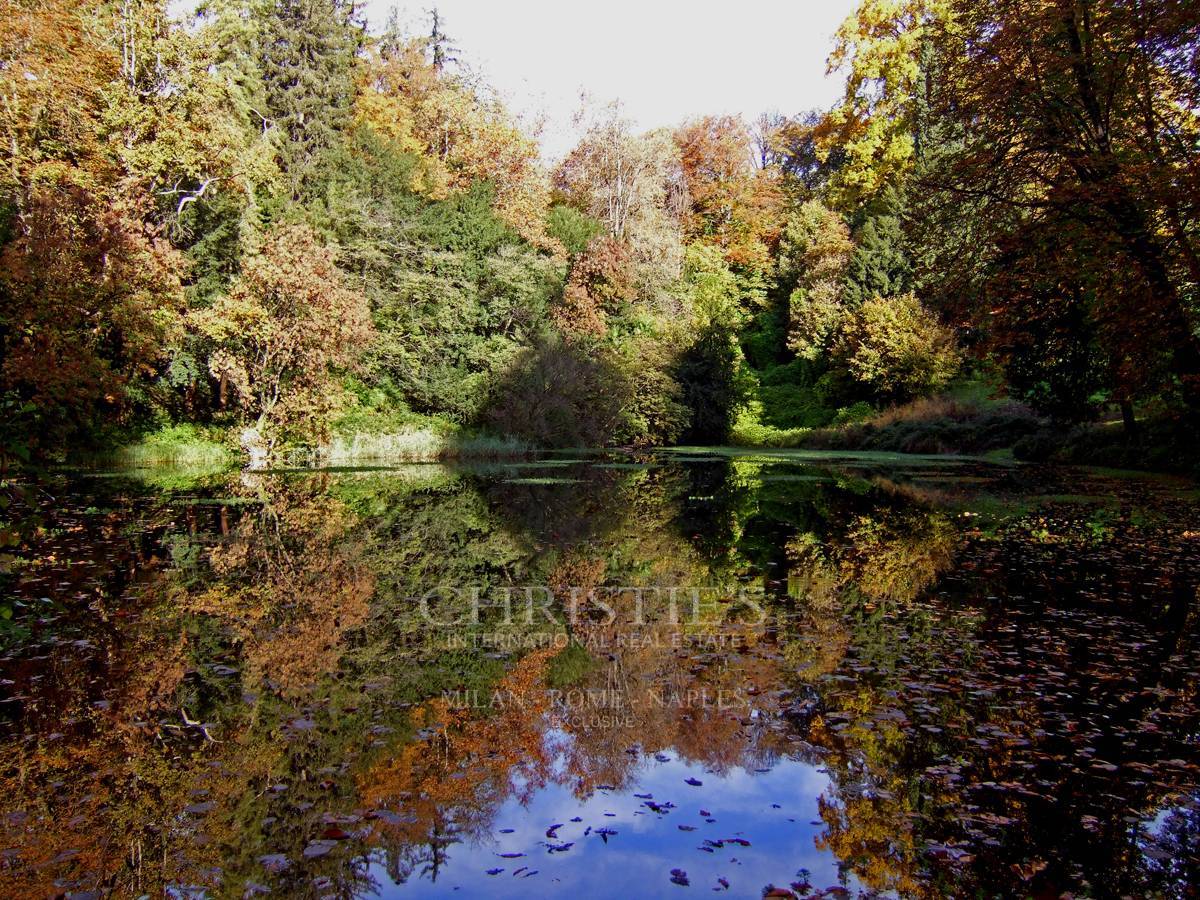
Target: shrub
(933, 425)
(857, 413)
(287, 322)
(560, 393)
(571, 228)
(898, 349)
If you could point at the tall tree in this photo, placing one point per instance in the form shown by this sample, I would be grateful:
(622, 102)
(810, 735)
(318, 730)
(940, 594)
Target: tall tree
(309, 51)
(733, 204)
(814, 252)
(635, 186)
(89, 287)
(1067, 114)
(880, 265)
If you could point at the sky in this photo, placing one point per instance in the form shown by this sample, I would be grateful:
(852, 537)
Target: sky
(665, 60)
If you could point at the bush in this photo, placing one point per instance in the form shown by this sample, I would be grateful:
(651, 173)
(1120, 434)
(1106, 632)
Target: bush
(897, 349)
(749, 430)
(571, 228)
(788, 406)
(933, 425)
(560, 393)
(857, 413)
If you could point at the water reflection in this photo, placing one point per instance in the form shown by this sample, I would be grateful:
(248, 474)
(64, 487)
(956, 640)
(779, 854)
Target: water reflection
(736, 672)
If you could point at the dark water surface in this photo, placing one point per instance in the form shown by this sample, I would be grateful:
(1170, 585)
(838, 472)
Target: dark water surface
(604, 676)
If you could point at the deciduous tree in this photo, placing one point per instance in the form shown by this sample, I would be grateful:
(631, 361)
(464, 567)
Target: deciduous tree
(288, 322)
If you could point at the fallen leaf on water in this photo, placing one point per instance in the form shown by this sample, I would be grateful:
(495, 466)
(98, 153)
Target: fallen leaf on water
(318, 848)
(274, 862)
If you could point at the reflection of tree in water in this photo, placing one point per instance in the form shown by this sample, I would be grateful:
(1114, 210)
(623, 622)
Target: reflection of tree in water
(1171, 862)
(968, 736)
(265, 586)
(447, 786)
(641, 689)
(289, 579)
(286, 620)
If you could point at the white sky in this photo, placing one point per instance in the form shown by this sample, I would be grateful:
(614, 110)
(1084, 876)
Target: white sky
(665, 60)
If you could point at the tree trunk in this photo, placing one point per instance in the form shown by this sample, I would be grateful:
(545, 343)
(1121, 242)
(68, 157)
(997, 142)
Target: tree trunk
(1129, 419)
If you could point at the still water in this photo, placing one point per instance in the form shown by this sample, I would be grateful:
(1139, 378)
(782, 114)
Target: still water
(600, 675)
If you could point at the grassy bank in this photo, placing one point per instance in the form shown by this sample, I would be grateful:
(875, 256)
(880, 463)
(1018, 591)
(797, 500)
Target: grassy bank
(977, 426)
(176, 445)
(425, 440)
(417, 445)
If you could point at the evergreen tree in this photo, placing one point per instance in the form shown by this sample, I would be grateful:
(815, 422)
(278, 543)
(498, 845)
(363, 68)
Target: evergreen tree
(440, 49)
(880, 264)
(309, 50)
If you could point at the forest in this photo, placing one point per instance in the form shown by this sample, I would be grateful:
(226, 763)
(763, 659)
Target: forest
(393, 504)
(272, 227)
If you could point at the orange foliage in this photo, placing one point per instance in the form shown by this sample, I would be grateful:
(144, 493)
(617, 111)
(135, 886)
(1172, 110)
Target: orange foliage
(471, 762)
(733, 204)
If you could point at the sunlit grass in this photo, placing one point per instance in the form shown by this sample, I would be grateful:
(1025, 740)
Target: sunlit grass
(175, 445)
(418, 445)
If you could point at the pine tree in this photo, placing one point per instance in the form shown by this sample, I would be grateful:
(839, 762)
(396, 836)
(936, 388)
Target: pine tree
(440, 49)
(880, 265)
(309, 51)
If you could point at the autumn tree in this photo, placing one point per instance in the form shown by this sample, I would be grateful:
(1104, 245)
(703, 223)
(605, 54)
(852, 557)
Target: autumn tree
(733, 203)
(633, 184)
(90, 288)
(1061, 116)
(897, 349)
(880, 48)
(600, 283)
(288, 322)
(462, 134)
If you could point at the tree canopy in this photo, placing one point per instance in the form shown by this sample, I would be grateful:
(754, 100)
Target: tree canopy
(271, 213)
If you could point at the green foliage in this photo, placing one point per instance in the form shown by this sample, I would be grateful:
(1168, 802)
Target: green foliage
(181, 444)
(764, 339)
(572, 228)
(898, 350)
(308, 66)
(464, 297)
(715, 385)
(856, 412)
(790, 406)
(655, 410)
(879, 265)
(717, 294)
(813, 255)
(748, 430)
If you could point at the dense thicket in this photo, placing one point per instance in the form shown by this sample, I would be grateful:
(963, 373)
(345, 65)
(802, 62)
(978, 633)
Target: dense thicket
(269, 216)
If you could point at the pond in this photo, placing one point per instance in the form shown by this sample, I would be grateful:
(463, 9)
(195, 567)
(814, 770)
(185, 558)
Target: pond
(603, 675)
